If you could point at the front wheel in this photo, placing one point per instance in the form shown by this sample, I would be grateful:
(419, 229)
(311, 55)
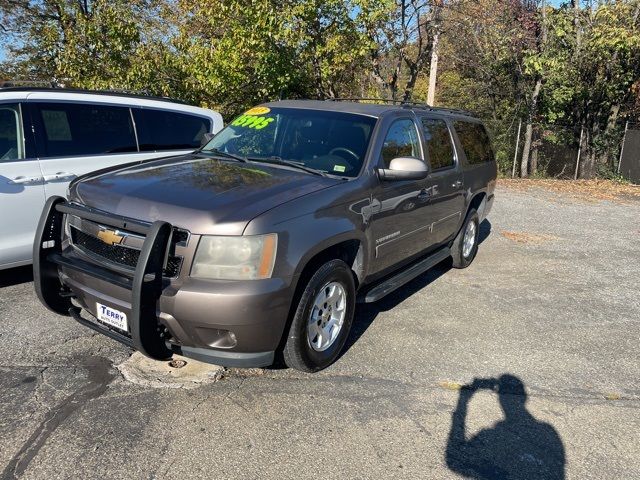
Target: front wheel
(465, 245)
(323, 318)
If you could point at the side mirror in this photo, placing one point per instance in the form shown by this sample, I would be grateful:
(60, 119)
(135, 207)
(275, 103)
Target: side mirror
(206, 138)
(404, 168)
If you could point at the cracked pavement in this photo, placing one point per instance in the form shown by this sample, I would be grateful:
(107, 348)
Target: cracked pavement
(554, 315)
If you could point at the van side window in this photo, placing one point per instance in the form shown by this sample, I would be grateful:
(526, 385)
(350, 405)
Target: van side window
(11, 141)
(72, 129)
(475, 142)
(401, 141)
(163, 130)
(438, 142)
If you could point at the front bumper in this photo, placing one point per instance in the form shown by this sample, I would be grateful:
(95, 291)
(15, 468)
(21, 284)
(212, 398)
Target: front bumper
(236, 324)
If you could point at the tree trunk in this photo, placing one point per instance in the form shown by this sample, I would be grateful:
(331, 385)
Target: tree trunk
(524, 161)
(608, 156)
(588, 159)
(528, 133)
(534, 160)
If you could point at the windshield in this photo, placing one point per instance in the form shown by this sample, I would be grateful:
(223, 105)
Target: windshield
(330, 142)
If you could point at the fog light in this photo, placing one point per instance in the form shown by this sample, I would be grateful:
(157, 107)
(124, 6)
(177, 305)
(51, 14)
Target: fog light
(217, 338)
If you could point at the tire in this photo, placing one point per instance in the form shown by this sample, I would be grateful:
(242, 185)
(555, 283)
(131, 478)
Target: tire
(460, 260)
(307, 354)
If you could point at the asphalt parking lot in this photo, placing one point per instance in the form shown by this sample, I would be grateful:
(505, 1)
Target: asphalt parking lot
(546, 320)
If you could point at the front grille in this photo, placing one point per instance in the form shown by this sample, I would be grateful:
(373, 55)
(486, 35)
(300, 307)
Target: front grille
(127, 257)
(123, 256)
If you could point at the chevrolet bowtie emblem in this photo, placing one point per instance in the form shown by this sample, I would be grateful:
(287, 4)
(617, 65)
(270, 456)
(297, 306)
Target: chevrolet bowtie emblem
(110, 237)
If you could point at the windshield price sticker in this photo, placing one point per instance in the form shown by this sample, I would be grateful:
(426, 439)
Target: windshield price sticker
(252, 121)
(258, 111)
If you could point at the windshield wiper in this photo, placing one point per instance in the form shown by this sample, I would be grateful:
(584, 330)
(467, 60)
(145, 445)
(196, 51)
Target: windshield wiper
(289, 163)
(220, 153)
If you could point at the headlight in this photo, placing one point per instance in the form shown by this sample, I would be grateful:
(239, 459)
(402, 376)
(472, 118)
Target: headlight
(235, 258)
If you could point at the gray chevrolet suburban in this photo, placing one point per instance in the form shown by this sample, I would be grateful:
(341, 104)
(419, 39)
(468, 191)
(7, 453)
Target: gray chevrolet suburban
(261, 242)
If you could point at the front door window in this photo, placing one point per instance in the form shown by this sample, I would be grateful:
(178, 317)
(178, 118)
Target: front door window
(401, 141)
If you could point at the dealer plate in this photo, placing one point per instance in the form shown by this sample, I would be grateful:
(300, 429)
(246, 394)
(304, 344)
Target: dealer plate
(112, 317)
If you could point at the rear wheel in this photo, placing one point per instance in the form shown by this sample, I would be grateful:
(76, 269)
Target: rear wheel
(323, 318)
(465, 245)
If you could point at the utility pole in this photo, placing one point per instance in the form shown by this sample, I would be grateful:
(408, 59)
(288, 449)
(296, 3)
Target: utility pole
(576, 21)
(433, 68)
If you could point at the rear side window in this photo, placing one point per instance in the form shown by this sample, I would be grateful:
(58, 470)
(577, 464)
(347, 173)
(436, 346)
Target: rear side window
(475, 142)
(11, 142)
(401, 141)
(71, 129)
(438, 143)
(163, 130)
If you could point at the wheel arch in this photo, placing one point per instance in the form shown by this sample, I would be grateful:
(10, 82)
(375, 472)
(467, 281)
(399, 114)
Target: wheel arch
(349, 248)
(477, 202)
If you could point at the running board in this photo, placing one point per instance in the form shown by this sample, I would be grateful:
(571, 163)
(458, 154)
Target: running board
(404, 276)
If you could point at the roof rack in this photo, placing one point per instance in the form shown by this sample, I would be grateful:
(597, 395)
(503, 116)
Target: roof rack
(404, 103)
(13, 85)
(364, 99)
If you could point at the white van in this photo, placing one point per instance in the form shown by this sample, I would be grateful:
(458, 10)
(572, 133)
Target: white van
(50, 136)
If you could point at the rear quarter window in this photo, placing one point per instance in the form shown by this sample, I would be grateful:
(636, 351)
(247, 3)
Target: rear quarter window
(475, 142)
(164, 130)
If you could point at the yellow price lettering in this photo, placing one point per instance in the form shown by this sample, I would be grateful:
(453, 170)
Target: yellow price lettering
(265, 122)
(251, 121)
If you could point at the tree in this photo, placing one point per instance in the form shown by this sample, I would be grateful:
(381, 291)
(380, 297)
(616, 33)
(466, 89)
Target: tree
(87, 43)
(485, 47)
(590, 75)
(400, 36)
(330, 46)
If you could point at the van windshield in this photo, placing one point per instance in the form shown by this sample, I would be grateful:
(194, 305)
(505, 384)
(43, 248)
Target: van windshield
(330, 142)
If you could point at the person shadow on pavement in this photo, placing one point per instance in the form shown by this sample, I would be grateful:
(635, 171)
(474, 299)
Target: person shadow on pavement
(517, 447)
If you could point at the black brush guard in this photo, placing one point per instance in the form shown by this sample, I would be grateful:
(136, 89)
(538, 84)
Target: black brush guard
(146, 285)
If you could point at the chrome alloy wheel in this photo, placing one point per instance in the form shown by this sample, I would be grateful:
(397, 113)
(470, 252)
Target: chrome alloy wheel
(469, 239)
(327, 316)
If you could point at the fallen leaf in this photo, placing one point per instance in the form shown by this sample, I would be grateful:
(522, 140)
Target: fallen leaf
(525, 237)
(612, 396)
(450, 385)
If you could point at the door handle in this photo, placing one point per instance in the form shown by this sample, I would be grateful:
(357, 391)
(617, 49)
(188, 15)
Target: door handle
(457, 184)
(59, 176)
(424, 194)
(22, 180)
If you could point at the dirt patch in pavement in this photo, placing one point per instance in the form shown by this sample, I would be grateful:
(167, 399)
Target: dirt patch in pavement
(525, 237)
(178, 373)
(586, 190)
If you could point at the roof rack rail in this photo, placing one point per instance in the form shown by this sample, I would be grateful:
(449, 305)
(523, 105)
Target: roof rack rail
(404, 103)
(364, 99)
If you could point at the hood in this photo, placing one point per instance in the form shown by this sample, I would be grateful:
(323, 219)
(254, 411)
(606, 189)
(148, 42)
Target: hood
(202, 194)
